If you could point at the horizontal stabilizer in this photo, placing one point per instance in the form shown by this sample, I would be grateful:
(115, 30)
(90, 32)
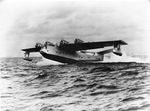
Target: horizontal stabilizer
(105, 51)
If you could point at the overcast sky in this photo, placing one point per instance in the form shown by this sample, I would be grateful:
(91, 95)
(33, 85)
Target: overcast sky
(25, 22)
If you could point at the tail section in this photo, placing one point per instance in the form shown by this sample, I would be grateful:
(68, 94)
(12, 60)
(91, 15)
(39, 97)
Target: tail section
(101, 53)
(116, 50)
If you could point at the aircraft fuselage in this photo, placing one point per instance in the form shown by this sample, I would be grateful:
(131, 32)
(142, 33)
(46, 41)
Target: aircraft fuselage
(56, 54)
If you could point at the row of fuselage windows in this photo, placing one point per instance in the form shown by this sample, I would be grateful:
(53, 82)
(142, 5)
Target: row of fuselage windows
(59, 52)
(75, 55)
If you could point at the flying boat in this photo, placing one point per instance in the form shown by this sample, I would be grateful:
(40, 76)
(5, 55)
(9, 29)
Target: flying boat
(79, 51)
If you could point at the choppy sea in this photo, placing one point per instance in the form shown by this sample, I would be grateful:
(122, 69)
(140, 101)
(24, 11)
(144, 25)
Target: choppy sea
(25, 86)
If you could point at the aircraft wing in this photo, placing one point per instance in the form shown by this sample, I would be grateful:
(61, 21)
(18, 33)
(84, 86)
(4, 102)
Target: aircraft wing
(90, 45)
(37, 49)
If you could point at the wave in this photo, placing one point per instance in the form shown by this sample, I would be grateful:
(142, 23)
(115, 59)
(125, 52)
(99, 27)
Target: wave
(109, 86)
(46, 62)
(127, 58)
(132, 99)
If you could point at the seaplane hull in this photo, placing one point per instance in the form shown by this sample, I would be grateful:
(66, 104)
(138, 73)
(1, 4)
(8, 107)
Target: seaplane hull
(58, 58)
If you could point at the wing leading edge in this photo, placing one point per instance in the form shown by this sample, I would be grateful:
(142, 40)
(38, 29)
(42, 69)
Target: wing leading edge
(32, 49)
(90, 45)
(37, 48)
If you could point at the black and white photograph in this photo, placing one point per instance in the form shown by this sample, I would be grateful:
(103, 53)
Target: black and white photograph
(74, 55)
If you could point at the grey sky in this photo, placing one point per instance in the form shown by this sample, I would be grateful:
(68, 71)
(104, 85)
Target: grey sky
(25, 22)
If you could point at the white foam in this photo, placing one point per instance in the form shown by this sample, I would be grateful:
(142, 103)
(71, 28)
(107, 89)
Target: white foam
(127, 58)
(45, 62)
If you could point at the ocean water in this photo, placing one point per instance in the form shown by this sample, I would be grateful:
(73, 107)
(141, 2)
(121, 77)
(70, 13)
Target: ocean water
(25, 86)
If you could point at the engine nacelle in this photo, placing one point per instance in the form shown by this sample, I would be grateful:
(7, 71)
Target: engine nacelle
(78, 41)
(63, 42)
(39, 45)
